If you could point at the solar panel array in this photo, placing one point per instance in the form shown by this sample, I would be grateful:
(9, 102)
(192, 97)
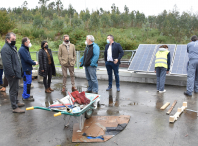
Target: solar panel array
(171, 48)
(142, 57)
(180, 61)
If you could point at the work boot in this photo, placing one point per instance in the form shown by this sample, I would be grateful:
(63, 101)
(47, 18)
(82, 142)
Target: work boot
(18, 110)
(88, 91)
(74, 89)
(28, 99)
(185, 93)
(47, 90)
(20, 104)
(50, 89)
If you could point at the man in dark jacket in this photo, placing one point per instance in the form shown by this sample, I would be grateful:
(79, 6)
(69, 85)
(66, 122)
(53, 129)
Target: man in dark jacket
(112, 55)
(27, 63)
(12, 69)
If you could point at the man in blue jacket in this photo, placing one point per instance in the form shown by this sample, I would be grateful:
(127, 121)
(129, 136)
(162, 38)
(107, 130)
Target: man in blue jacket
(192, 73)
(27, 63)
(12, 69)
(90, 62)
(112, 55)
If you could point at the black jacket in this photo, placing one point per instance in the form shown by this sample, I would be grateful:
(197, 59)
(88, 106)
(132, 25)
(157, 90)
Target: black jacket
(11, 61)
(43, 62)
(117, 51)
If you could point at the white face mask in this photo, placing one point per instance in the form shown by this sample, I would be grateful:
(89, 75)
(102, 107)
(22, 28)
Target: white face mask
(86, 43)
(30, 45)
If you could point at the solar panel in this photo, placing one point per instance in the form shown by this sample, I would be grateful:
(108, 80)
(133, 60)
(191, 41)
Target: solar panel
(142, 57)
(180, 61)
(171, 48)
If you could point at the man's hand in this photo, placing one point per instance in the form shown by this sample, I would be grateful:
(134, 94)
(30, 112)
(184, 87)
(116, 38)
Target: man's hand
(115, 61)
(36, 62)
(13, 77)
(42, 70)
(167, 72)
(80, 62)
(155, 71)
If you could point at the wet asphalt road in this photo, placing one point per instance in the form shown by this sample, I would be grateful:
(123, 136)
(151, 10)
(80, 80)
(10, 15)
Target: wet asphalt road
(148, 126)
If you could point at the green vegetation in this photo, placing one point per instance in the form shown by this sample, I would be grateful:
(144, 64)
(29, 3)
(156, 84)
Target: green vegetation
(49, 21)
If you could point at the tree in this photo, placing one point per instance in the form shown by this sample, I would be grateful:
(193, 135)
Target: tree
(38, 20)
(146, 28)
(5, 23)
(59, 6)
(94, 21)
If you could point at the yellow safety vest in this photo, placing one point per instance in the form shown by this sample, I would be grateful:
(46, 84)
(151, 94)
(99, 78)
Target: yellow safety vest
(161, 59)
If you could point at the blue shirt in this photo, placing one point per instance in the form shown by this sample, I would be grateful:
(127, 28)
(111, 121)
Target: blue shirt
(192, 49)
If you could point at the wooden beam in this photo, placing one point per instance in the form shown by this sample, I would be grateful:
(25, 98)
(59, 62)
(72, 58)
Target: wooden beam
(173, 105)
(165, 105)
(172, 119)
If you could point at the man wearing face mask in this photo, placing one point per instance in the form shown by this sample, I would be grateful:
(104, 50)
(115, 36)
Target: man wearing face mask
(27, 63)
(90, 61)
(67, 59)
(112, 55)
(13, 70)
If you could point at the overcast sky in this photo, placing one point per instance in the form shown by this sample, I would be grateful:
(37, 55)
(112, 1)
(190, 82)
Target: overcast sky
(148, 7)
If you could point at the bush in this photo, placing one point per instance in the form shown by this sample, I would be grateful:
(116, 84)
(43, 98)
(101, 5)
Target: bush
(5, 23)
(161, 39)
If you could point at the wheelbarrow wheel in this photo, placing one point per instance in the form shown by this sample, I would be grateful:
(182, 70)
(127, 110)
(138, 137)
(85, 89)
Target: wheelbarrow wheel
(88, 113)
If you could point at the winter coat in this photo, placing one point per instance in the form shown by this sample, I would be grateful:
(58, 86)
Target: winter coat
(43, 63)
(26, 60)
(67, 58)
(11, 61)
(94, 51)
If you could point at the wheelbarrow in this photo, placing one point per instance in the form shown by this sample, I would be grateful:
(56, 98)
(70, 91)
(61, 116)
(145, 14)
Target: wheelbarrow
(80, 115)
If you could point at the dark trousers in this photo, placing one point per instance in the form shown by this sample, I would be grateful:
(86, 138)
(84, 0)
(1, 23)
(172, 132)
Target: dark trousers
(5, 82)
(1, 73)
(13, 92)
(115, 67)
(49, 76)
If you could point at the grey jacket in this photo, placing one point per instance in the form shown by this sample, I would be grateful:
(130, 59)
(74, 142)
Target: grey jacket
(11, 61)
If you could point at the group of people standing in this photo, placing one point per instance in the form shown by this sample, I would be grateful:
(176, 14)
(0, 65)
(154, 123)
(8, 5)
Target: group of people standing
(18, 64)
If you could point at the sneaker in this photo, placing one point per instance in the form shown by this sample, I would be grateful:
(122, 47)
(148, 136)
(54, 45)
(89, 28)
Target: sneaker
(118, 89)
(18, 110)
(20, 104)
(109, 88)
(162, 91)
(185, 93)
(28, 99)
(95, 92)
(157, 90)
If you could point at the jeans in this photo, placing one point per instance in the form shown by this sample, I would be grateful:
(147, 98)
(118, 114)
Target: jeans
(115, 67)
(91, 78)
(192, 77)
(161, 77)
(13, 92)
(27, 80)
(1, 73)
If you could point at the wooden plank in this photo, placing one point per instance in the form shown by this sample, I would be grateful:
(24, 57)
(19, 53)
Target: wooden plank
(165, 105)
(173, 105)
(172, 119)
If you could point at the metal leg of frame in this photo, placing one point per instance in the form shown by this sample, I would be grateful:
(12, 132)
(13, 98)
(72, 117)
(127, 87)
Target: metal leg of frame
(67, 120)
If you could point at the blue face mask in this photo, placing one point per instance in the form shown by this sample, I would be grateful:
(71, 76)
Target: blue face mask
(108, 41)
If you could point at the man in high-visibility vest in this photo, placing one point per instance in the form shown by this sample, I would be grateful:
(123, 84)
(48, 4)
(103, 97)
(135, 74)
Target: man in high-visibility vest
(192, 72)
(162, 67)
